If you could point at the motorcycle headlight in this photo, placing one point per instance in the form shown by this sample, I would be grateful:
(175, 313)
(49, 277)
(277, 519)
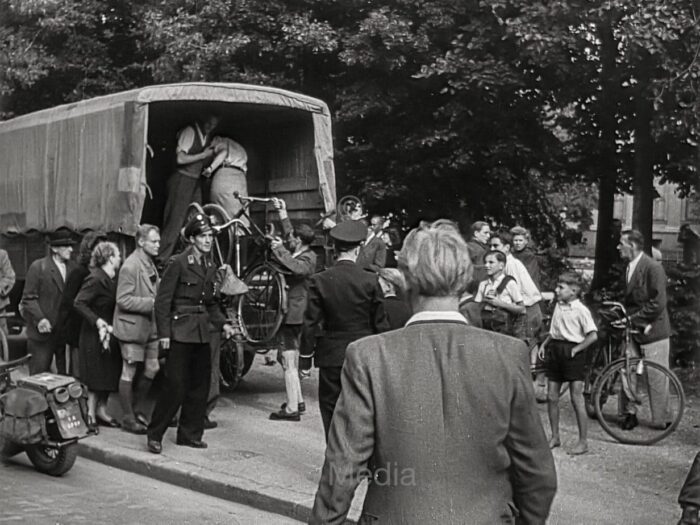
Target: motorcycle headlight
(75, 390)
(61, 395)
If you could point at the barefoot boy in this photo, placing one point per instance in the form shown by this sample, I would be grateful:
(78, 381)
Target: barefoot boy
(571, 332)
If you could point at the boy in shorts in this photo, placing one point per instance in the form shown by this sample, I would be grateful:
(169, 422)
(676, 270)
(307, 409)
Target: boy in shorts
(572, 331)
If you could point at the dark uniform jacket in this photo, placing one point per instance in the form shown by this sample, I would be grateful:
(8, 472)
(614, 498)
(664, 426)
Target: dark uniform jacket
(444, 416)
(186, 308)
(528, 257)
(645, 300)
(347, 302)
(301, 267)
(43, 290)
(477, 250)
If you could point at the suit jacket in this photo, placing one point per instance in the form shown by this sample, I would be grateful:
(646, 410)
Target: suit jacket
(645, 300)
(372, 255)
(69, 321)
(347, 303)
(7, 278)
(477, 251)
(301, 267)
(690, 491)
(528, 257)
(134, 320)
(443, 418)
(186, 305)
(41, 298)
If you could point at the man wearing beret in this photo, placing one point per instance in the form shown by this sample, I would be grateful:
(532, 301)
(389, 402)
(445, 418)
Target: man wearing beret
(186, 309)
(41, 300)
(347, 303)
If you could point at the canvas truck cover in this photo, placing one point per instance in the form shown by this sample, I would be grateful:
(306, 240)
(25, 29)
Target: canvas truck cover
(83, 165)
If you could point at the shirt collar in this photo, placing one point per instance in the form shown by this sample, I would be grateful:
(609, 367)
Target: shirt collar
(431, 316)
(634, 261)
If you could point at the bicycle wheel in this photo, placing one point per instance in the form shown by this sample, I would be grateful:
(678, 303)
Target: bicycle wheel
(612, 382)
(262, 308)
(593, 372)
(223, 242)
(231, 363)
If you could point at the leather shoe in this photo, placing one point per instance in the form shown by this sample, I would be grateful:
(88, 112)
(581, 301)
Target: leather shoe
(131, 425)
(191, 443)
(301, 407)
(210, 423)
(283, 415)
(141, 418)
(629, 422)
(154, 446)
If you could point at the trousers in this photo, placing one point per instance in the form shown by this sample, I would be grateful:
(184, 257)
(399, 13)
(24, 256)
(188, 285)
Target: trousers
(182, 190)
(328, 394)
(224, 182)
(186, 386)
(43, 353)
(657, 384)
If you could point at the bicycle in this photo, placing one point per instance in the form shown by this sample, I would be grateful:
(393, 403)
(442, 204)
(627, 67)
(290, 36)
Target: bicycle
(616, 373)
(257, 314)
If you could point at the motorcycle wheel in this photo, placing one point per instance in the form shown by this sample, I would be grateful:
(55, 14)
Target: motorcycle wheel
(8, 448)
(52, 460)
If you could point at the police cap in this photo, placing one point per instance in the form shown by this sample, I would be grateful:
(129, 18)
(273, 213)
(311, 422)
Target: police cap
(349, 232)
(197, 225)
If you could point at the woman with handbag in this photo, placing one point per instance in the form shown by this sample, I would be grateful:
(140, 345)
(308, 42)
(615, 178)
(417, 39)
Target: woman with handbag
(499, 295)
(100, 356)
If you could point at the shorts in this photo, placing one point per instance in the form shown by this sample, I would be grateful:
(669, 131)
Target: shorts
(138, 353)
(528, 326)
(560, 367)
(288, 338)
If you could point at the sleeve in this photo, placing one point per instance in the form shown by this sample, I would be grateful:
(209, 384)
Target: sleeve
(164, 297)
(126, 293)
(7, 274)
(83, 301)
(532, 472)
(514, 292)
(378, 318)
(29, 304)
(587, 322)
(480, 292)
(656, 293)
(185, 139)
(690, 491)
(313, 317)
(350, 442)
(287, 227)
(304, 265)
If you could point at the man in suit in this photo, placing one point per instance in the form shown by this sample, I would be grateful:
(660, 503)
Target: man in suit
(439, 415)
(478, 247)
(186, 309)
(41, 300)
(373, 252)
(645, 301)
(346, 301)
(134, 325)
(300, 260)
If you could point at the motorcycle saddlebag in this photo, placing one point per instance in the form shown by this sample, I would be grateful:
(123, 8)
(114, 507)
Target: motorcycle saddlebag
(22, 416)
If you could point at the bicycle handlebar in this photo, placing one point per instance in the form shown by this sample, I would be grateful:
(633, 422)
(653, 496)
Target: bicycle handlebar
(244, 199)
(11, 365)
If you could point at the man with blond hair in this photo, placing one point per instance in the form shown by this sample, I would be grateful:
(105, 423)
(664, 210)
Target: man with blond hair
(415, 418)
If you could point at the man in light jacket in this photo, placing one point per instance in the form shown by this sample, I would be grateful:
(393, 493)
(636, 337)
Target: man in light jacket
(134, 325)
(415, 417)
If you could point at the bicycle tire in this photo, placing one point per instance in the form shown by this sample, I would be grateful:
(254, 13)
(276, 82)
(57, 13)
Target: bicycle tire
(262, 309)
(223, 241)
(609, 379)
(4, 347)
(593, 372)
(232, 363)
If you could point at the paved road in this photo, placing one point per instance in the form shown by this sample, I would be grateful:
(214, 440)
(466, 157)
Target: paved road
(94, 493)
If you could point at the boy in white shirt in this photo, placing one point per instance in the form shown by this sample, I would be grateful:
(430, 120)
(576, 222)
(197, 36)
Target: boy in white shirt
(571, 332)
(499, 295)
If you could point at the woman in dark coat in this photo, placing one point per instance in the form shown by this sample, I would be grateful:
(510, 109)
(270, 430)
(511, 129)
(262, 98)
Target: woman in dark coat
(69, 320)
(100, 357)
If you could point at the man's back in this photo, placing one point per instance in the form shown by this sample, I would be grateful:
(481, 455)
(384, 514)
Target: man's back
(447, 414)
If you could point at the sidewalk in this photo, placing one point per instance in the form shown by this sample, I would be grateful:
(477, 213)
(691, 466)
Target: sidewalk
(271, 465)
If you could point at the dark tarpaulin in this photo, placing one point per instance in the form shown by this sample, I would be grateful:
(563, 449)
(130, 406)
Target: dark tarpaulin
(80, 169)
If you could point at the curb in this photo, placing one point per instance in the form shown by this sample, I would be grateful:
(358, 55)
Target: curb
(181, 475)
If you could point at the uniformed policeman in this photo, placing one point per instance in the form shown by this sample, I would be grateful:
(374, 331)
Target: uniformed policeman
(347, 303)
(185, 310)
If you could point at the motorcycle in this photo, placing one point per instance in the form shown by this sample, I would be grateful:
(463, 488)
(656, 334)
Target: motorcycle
(43, 415)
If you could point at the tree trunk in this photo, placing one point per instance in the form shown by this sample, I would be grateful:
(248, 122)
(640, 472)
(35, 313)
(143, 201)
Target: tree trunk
(644, 192)
(605, 249)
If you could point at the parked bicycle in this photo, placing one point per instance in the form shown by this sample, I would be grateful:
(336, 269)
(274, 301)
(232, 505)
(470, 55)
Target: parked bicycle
(614, 372)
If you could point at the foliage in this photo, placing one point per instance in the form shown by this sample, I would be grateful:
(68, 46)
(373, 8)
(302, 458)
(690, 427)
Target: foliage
(684, 309)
